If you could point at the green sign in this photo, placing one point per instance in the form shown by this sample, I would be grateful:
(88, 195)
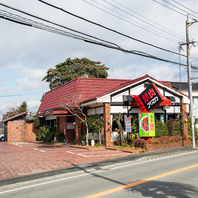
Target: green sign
(146, 124)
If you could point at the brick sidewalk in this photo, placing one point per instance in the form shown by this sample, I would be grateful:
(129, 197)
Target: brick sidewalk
(21, 159)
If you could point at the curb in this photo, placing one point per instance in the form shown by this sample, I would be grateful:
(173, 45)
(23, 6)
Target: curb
(170, 153)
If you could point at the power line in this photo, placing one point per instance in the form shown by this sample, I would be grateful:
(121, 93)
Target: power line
(51, 22)
(147, 23)
(24, 21)
(185, 7)
(13, 95)
(146, 28)
(169, 8)
(112, 30)
(137, 53)
(148, 19)
(175, 6)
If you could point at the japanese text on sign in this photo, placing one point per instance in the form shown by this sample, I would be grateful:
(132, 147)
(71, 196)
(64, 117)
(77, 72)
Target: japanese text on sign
(150, 97)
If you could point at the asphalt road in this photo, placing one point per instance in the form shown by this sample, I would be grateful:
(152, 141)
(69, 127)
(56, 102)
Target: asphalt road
(170, 176)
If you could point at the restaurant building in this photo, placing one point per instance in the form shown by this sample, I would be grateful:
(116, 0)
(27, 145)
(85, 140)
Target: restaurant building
(108, 97)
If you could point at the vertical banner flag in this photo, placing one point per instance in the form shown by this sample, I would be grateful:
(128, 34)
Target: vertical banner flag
(128, 124)
(146, 124)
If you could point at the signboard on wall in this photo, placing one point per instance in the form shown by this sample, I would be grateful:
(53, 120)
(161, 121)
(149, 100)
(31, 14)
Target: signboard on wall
(70, 125)
(151, 97)
(128, 124)
(146, 124)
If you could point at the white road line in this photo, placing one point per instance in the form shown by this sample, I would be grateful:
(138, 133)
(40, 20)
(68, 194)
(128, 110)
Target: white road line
(56, 149)
(101, 152)
(70, 152)
(39, 150)
(85, 174)
(107, 155)
(82, 155)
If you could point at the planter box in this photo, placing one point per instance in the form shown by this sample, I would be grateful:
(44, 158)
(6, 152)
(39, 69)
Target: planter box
(127, 150)
(187, 143)
(156, 147)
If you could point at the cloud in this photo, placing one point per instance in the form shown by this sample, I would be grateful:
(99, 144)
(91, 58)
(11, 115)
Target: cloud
(31, 78)
(27, 53)
(33, 105)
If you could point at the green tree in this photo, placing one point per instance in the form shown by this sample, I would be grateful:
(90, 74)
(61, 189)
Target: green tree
(161, 129)
(135, 125)
(119, 119)
(73, 68)
(96, 123)
(14, 110)
(179, 127)
(22, 108)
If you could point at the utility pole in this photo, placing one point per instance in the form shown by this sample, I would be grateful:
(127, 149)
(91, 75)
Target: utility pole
(180, 48)
(188, 24)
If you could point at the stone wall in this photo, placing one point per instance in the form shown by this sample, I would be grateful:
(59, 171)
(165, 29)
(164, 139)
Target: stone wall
(30, 131)
(21, 131)
(107, 124)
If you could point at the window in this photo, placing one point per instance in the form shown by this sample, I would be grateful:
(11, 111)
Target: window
(195, 100)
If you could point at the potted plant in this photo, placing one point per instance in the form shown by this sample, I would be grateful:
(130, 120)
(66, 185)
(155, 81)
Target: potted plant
(92, 139)
(83, 138)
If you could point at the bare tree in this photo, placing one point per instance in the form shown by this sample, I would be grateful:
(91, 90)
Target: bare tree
(72, 104)
(11, 111)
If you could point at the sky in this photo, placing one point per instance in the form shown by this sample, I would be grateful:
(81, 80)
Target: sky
(26, 53)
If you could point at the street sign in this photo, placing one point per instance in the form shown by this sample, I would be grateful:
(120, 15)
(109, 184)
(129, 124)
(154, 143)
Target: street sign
(128, 124)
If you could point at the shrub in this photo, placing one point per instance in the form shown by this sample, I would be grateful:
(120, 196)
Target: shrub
(166, 140)
(161, 129)
(60, 137)
(190, 129)
(135, 125)
(139, 143)
(37, 122)
(170, 126)
(125, 145)
(178, 127)
(97, 144)
(45, 133)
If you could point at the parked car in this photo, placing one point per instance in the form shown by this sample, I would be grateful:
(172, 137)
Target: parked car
(2, 137)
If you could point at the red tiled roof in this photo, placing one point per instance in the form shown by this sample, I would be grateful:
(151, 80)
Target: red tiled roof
(13, 117)
(89, 88)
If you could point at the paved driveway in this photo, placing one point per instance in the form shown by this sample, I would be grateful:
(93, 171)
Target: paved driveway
(20, 159)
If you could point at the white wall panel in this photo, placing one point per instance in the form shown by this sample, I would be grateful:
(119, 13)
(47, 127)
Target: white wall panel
(117, 109)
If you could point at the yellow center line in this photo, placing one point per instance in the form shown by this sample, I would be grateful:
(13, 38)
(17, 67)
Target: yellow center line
(140, 182)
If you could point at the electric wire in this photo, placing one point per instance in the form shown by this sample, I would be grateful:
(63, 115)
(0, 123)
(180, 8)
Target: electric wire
(28, 22)
(137, 53)
(169, 8)
(176, 7)
(23, 12)
(146, 28)
(167, 30)
(107, 28)
(185, 7)
(24, 21)
(13, 95)
(147, 23)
